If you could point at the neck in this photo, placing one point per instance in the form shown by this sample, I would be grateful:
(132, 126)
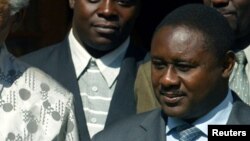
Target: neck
(96, 53)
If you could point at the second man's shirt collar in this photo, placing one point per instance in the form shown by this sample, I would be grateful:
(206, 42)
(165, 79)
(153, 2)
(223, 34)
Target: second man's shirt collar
(109, 64)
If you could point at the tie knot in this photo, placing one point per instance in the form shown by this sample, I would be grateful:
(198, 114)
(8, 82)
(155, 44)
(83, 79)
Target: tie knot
(241, 57)
(92, 64)
(188, 132)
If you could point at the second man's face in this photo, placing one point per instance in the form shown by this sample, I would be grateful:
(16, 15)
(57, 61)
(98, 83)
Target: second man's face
(104, 24)
(186, 77)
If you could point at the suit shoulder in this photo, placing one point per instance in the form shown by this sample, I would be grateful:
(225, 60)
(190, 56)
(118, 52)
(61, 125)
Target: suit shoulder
(121, 129)
(41, 55)
(241, 112)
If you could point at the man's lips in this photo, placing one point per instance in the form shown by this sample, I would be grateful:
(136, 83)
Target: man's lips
(173, 93)
(105, 28)
(227, 13)
(172, 96)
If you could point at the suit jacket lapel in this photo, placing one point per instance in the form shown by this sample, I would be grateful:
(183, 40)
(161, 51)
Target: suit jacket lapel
(153, 128)
(64, 63)
(123, 100)
(65, 67)
(240, 111)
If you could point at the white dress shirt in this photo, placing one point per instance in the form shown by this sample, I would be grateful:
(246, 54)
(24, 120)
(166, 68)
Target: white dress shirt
(219, 115)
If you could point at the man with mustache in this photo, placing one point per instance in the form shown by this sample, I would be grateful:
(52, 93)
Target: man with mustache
(237, 13)
(97, 62)
(32, 105)
(191, 61)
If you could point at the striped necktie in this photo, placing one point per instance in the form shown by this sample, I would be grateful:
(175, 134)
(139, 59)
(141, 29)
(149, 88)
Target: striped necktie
(188, 132)
(239, 82)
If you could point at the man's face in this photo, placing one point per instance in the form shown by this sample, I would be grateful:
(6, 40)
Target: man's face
(237, 13)
(186, 77)
(4, 19)
(103, 24)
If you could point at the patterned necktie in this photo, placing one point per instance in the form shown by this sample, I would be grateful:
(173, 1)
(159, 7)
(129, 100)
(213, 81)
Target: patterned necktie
(239, 82)
(188, 132)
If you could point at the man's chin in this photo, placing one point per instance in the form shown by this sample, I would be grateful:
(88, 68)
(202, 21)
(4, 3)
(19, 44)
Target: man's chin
(173, 111)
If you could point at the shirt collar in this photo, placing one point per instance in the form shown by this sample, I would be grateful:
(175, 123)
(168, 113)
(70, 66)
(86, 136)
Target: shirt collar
(79, 55)
(109, 64)
(218, 115)
(247, 52)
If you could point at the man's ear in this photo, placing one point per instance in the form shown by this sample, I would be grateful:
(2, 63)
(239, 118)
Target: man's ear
(71, 3)
(228, 64)
(17, 19)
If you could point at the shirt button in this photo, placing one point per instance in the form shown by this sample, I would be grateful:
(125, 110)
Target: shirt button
(94, 88)
(93, 120)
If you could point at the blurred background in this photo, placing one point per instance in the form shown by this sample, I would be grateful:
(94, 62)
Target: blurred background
(48, 21)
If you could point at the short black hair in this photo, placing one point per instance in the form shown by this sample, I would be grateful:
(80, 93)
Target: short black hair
(216, 30)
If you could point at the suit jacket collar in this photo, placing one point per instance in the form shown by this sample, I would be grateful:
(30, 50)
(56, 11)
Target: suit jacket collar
(240, 112)
(63, 55)
(124, 90)
(153, 127)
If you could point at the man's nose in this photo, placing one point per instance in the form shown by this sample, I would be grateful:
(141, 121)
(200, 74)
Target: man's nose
(107, 9)
(170, 78)
(219, 3)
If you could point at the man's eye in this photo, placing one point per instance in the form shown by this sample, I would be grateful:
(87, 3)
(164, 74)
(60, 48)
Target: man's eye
(93, 1)
(126, 2)
(158, 65)
(183, 67)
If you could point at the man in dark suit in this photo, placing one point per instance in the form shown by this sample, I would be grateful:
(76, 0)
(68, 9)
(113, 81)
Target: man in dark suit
(97, 62)
(191, 64)
(237, 13)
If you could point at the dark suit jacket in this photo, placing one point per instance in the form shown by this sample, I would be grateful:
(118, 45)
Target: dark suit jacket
(150, 126)
(56, 60)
